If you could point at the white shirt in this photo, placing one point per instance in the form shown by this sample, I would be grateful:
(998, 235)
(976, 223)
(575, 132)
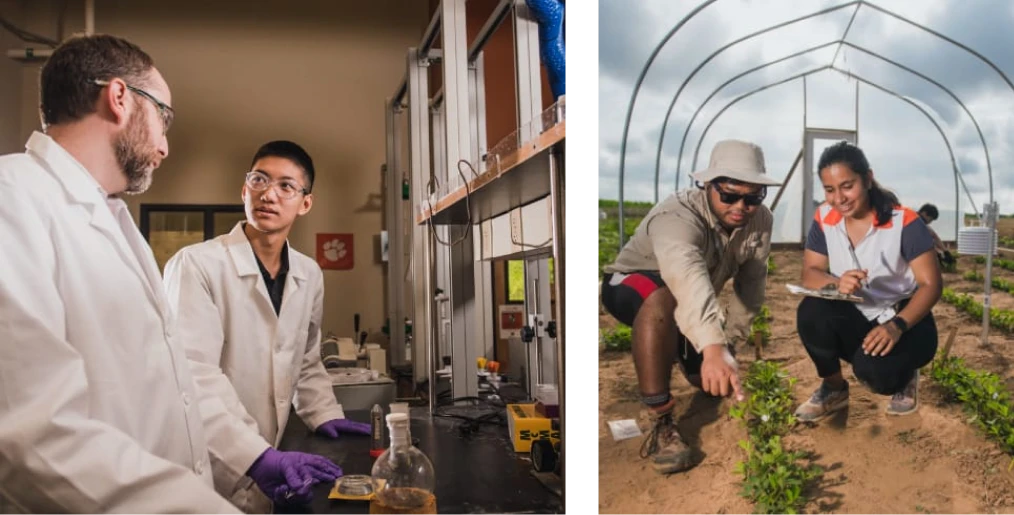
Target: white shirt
(884, 251)
(98, 411)
(253, 363)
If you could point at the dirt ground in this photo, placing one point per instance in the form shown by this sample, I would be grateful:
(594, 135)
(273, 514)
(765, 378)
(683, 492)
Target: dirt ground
(929, 462)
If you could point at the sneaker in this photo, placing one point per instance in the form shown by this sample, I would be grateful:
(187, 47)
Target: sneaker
(907, 400)
(823, 402)
(668, 452)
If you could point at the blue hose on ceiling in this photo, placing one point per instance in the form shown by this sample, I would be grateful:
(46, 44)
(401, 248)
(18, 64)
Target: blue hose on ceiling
(549, 15)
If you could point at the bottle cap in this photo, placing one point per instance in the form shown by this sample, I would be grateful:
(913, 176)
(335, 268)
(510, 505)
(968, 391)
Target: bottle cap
(395, 418)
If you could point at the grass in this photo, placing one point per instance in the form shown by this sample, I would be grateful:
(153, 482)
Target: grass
(609, 229)
(616, 339)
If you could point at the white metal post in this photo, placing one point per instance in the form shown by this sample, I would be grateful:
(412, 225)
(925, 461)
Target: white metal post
(529, 73)
(483, 344)
(557, 194)
(542, 362)
(459, 146)
(394, 212)
(418, 104)
(991, 210)
(441, 253)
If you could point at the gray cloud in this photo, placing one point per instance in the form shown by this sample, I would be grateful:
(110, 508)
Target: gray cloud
(903, 144)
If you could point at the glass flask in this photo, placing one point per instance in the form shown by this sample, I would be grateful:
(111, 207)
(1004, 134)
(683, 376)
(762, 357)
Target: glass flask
(403, 477)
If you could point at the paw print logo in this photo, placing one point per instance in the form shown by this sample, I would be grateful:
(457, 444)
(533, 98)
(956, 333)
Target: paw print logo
(334, 250)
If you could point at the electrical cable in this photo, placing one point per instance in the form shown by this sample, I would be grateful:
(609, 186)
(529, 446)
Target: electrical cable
(26, 36)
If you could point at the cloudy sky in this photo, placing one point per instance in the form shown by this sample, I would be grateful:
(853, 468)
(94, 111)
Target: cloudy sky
(905, 150)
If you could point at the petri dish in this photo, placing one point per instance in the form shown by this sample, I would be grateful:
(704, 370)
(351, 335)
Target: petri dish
(355, 485)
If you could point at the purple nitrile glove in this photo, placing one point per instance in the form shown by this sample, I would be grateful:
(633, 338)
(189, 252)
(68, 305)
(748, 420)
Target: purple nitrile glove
(343, 425)
(287, 477)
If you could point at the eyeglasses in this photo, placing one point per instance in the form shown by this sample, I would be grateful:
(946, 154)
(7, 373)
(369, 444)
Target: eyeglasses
(286, 188)
(164, 110)
(753, 199)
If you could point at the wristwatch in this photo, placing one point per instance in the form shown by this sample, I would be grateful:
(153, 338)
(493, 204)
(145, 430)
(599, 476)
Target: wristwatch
(900, 323)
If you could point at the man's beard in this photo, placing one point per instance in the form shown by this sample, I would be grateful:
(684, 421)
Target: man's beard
(134, 155)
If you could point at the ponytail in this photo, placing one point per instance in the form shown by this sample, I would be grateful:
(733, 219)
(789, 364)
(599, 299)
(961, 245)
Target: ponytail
(882, 201)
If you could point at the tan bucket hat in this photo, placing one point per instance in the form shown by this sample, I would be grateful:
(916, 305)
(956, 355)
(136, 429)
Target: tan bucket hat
(738, 160)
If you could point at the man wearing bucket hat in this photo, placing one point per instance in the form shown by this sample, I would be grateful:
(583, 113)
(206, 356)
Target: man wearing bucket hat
(664, 284)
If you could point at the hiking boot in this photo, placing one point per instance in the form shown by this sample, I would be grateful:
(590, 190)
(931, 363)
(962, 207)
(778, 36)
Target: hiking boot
(823, 402)
(907, 400)
(669, 453)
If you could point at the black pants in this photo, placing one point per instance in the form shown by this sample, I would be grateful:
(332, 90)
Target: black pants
(834, 330)
(624, 300)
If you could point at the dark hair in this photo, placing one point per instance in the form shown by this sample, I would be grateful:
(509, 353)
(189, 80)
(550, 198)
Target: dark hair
(930, 210)
(66, 89)
(882, 200)
(292, 152)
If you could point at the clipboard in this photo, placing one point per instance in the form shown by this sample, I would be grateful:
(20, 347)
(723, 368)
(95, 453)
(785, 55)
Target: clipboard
(829, 294)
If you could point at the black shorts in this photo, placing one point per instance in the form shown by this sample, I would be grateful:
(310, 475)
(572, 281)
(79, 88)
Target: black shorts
(623, 295)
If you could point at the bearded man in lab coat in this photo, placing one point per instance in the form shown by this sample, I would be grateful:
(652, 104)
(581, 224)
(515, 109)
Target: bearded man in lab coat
(98, 411)
(249, 309)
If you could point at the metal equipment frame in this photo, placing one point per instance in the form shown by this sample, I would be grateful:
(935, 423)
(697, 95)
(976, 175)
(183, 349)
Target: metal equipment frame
(451, 297)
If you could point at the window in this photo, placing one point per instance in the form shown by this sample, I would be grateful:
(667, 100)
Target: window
(170, 227)
(516, 280)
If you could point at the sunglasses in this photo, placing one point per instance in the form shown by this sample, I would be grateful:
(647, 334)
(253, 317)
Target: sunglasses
(753, 199)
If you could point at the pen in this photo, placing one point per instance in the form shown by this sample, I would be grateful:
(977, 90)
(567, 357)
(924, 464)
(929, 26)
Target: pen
(855, 259)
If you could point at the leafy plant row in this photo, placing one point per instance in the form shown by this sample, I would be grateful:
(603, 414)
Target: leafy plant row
(998, 318)
(774, 478)
(997, 282)
(983, 396)
(1006, 264)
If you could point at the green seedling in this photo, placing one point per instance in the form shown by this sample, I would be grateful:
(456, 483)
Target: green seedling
(774, 478)
(759, 326)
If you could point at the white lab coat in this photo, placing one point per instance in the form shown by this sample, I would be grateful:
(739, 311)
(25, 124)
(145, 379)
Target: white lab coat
(98, 411)
(252, 362)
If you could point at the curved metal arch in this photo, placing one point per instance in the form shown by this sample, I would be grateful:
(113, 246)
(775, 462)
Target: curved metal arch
(749, 94)
(658, 153)
(714, 54)
(704, 103)
(982, 139)
(978, 129)
(633, 98)
(954, 165)
(697, 10)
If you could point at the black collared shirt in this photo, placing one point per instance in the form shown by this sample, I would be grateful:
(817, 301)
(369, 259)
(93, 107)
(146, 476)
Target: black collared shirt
(276, 286)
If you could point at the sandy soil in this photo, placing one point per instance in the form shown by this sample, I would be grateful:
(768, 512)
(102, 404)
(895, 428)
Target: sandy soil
(929, 462)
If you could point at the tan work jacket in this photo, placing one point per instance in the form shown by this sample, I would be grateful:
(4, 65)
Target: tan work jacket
(682, 239)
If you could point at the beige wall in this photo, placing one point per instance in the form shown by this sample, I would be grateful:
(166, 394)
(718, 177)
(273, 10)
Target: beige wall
(313, 72)
(10, 85)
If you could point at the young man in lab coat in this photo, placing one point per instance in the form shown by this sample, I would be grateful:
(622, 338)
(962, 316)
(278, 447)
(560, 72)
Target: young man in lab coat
(249, 309)
(98, 411)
